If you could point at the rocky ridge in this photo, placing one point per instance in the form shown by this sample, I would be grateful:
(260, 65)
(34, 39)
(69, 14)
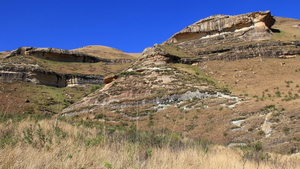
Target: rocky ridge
(249, 37)
(39, 74)
(250, 26)
(56, 54)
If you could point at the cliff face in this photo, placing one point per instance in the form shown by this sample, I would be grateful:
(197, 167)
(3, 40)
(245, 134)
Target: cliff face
(224, 37)
(41, 77)
(56, 54)
(155, 55)
(21, 65)
(254, 26)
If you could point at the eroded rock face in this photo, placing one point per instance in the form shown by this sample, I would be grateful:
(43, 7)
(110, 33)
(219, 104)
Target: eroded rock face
(268, 49)
(56, 54)
(48, 78)
(109, 78)
(155, 55)
(255, 25)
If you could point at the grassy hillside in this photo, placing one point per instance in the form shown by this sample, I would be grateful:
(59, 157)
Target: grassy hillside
(51, 100)
(261, 77)
(106, 52)
(29, 142)
(285, 30)
(151, 116)
(27, 98)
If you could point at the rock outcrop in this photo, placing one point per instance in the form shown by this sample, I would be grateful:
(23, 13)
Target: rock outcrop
(268, 49)
(109, 78)
(16, 66)
(41, 77)
(251, 26)
(155, 55)
(56, 54)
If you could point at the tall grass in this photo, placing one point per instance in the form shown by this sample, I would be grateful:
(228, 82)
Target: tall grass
(50, 143)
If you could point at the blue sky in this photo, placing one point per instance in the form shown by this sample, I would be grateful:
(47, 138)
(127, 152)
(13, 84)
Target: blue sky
(128, 25)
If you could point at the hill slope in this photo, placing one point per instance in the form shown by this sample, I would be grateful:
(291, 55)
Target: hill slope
(184, 84)
(228, 79)
(54, 68)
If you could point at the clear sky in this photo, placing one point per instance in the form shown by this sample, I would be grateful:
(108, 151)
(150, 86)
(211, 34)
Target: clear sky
(128, 25)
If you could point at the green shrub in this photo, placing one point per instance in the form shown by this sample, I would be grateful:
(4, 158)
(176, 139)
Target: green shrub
(100, 116)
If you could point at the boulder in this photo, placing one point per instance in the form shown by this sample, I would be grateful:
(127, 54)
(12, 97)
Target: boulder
(109, 78)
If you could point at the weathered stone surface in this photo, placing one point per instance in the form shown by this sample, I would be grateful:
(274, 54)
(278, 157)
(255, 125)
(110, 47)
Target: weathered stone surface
(110, 78)
(256, 25)
(48, 78)
(267, 49)
(56, 54)
(155, 55)
(296, 26)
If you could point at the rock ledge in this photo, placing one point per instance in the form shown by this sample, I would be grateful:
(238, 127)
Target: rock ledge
(258, 23)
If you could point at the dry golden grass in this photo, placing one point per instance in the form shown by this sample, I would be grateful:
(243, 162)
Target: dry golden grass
(99, 48)
(83, 147)
(106, 52)
(30, 98)
(3, 54)
(256, 76)
(287, 31)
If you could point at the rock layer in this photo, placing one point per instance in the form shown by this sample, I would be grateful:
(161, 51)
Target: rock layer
(255, 25)
(155, 55)
(48, 78)
(56, 54)
(268, 49)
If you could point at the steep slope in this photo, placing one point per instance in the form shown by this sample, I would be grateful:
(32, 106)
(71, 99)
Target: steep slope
(52, 67)
(4, 54)
(228, 79)
(61, 68)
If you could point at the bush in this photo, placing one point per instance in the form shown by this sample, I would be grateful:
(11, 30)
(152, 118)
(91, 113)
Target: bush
(94, 88)
(100, 116)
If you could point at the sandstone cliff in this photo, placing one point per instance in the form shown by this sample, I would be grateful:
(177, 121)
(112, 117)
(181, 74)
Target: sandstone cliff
(39, 76)
(224, 37)
(155, 55)
(253, 26)
(21, 65)
(56, 54)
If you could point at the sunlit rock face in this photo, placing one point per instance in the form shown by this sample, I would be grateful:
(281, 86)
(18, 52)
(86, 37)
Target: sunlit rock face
(56, 54)
(252, 26)
(48, 78)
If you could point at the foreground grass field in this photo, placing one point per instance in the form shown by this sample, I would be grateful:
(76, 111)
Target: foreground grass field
(35, 142)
